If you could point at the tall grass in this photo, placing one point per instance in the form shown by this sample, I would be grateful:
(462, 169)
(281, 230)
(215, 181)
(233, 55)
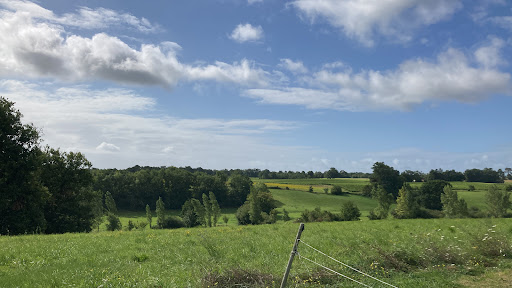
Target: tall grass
(406, 253)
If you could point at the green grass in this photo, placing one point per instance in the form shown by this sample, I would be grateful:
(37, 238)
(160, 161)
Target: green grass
(348, 184)
(406, 253)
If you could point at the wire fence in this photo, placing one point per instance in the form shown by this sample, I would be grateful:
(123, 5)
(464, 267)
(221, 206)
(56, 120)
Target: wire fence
(343, 264)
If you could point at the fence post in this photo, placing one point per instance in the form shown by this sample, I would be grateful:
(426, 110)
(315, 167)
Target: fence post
(294, 251)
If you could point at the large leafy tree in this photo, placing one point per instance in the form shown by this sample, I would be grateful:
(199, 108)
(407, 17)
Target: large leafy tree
(430, 194)
(387, 177)
(69, 181)
(22, 195)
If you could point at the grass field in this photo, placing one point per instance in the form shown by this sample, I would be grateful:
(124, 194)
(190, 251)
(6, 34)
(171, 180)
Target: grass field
(406, 253)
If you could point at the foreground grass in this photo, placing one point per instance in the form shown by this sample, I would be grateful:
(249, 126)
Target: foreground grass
(406, 253)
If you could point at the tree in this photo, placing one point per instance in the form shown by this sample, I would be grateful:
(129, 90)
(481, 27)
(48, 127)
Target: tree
(149, 216)
(216, 212)
(385, 200)
(110, 204)
(160, 213)
(199, 211)
(113, 222)
(336, 190)
(332, 173)
(452, 205)
(240, 187)
(430, 194)
(498, 201)
(349, 211)
(208, 210)
(407, 203)
(254, 207)
(387, 177)
(69, 181)
(22, 195)
(412, 176)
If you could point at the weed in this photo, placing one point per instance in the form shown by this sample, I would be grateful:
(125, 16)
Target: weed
(238, 277)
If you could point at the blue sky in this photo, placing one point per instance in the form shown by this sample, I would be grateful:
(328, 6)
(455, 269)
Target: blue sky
(279, 85)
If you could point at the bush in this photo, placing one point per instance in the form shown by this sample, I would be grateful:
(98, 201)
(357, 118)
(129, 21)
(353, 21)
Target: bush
(286, 216)
(242, 215)
(131, 225)
(336, 190)
(475, 212)
(310, 190)
(318, 215)
(471, 188)
(367, 190)
(349, 212)
(142, 225)
(508, 188)
(326, 190)
(173, 222)
(113, 222)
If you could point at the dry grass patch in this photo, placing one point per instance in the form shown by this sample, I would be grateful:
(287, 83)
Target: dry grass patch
(493, 279)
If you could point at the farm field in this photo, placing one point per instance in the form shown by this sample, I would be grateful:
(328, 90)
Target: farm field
(405, 253)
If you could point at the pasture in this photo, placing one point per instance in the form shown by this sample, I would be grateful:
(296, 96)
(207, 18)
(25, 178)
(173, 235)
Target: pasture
(406, 253)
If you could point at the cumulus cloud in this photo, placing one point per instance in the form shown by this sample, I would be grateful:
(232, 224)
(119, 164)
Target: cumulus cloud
(84, 18)
(246, 33)
(39, 49)
(107, 147)
(453, 76)
(296, 67)
(364, 19)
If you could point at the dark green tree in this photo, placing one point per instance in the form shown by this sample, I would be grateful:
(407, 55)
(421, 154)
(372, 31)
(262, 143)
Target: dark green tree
(69, 181)
(332, 173)
(22, 195)
(349, 211)
(387, 177)
(336, 190)
(385, 200)
(240, 187)
(110, 203)
(430, 194)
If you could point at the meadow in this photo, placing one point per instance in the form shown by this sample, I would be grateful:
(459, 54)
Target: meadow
(405, 253)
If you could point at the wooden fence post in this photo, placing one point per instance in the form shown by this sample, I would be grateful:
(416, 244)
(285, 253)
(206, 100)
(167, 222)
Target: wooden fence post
(294, 251)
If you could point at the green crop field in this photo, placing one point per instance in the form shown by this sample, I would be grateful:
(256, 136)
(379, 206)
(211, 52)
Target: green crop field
(405, 253)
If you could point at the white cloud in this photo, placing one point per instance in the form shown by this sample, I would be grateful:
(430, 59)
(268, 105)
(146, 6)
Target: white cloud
(250, 2)
(246, 33)
(296, 67)
(502, 21)
(453, 76)
(122, 130)
(85, 18)
(38, 49)
(108, 147)
(362, 19)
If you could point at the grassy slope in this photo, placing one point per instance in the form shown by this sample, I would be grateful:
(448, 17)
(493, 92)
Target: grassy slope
(181, 257)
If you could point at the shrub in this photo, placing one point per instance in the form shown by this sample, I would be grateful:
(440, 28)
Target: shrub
(475, 212)
(225, 219)
(367, 190)
(326, 190)
(310, 190)
(349, 212)
(173, 222)
(113, 222)
(508, 188)
(131, 225)
(286, 216)
(142, 225)
(336, 190)
(471, 188)
(242, 215)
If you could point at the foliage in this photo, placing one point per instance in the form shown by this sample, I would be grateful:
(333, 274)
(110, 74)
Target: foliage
(453, 206)
(317, 215)
(471, 188)
(208, 210)
(336, 190)
(242, 214)
(487, 175)
(131, 225)
(332, 173)
(113, 222)
(386, 177)
(406, 204)
(160, 213)
(149, 216)
(240, 187)
(384, 199)
(286, 215)
(173, 222)
(367, 190)
(225, 219)
(430, 194)
(349, 211)
(508, 188)
(189, 215)
(22, 195)
(448, 175)
(413, 176)
(498, 201)
(254, 207)
(216, 212)
(199, 211)
(110, 203)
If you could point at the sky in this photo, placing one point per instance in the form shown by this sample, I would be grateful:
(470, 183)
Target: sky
(271, 84)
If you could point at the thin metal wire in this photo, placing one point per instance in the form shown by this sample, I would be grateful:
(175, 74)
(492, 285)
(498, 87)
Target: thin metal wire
(326, 268)
(345, 264)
